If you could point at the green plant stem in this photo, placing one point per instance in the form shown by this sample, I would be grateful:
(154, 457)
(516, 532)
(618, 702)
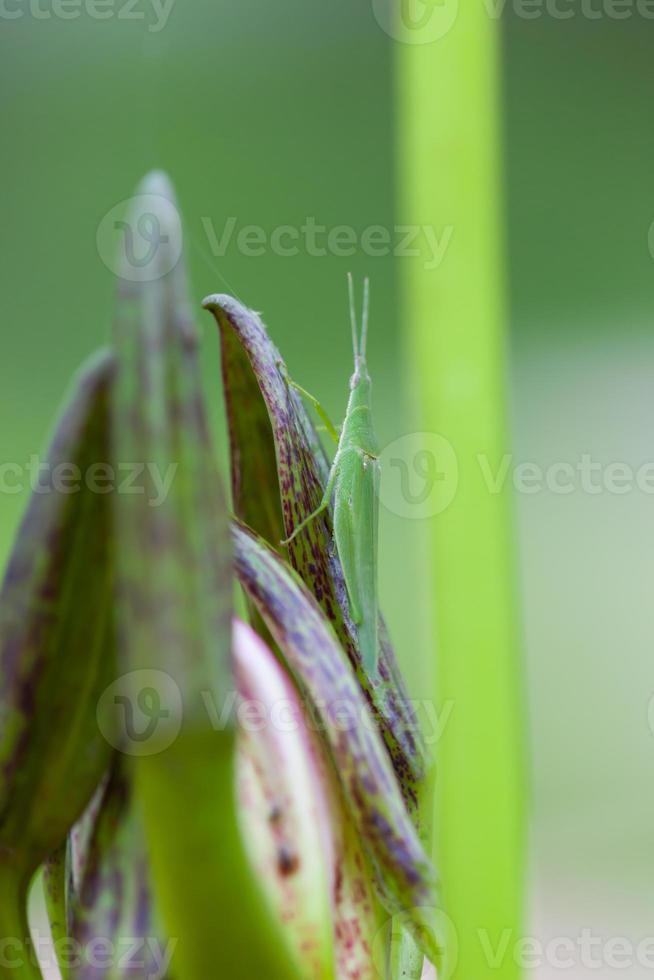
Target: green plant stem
(16, 953)
(450, 178)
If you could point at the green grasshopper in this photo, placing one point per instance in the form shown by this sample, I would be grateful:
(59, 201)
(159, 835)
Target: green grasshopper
(354, 484)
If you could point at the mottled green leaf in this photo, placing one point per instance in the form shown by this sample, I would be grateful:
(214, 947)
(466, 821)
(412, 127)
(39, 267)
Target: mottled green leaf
(279, 471)
(405, 875)
(175, 591)
(56, 644)
(174, 562)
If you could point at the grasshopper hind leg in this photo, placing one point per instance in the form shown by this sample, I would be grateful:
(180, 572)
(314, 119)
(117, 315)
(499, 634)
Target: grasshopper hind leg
(324, 504)
(307, 520)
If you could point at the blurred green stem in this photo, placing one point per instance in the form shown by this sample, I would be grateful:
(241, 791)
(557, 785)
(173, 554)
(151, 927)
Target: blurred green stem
(221, 920)
(450, 182)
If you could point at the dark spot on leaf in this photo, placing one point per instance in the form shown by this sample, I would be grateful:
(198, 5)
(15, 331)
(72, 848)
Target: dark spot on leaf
(287, 861)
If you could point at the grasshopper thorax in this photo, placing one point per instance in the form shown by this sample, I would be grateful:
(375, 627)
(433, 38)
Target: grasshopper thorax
(358, 429)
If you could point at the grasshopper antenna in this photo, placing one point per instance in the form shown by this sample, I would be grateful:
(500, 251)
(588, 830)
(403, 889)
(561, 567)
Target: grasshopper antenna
(364, 319)
(353, 317)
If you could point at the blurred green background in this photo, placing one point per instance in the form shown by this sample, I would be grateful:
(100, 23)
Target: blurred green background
(272, 114)
(579, 163)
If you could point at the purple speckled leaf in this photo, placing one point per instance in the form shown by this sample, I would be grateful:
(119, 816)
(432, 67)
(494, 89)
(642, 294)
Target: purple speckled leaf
(113, 925)
(279, 471)
(405, 875)
(56, 640)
